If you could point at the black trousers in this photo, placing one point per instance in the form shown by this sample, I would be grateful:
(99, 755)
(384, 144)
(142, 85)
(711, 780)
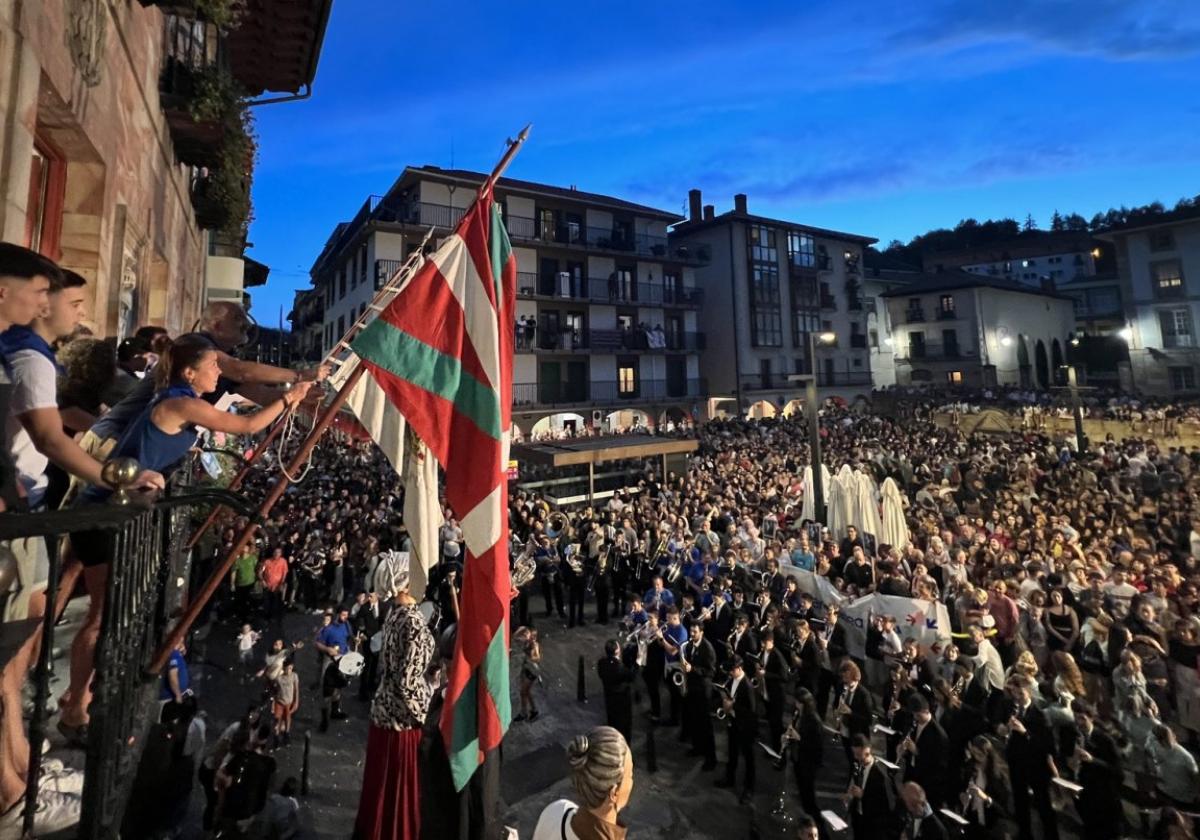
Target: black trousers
(825, 683)
(619, 710)
(603, 590)
(366, 682)
(575, 593)
(677, 716)
(1040, 800)
(806, 782)
(620, 590)
(775, 713)
(523, 608)
(741, 746)
(208, 782)
(552, 589)
(700, 725)
(653, 681)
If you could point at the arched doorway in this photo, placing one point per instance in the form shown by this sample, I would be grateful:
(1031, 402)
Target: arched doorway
(1024, 369)
(627, 419)
(562, 425)
(672, 418)
(1042, 363)
(761, 410)
(1057, 363)
(793, 407)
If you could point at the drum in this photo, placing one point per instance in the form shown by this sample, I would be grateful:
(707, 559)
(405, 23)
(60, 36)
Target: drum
(352, 664)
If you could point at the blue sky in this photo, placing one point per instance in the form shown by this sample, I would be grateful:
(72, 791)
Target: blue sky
(884, 119)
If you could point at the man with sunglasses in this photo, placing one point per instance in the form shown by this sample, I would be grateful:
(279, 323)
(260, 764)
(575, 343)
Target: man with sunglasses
(228, 326)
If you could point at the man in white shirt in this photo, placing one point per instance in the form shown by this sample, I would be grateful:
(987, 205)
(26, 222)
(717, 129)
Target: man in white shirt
(987, 658)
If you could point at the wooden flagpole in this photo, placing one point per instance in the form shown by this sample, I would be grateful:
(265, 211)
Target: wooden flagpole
(201, 599)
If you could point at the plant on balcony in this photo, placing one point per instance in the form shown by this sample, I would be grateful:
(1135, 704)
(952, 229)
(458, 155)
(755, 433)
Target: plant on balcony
(223, 13)
(222, 197)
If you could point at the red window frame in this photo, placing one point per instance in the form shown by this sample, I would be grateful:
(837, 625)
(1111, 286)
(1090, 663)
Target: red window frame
(47, 196)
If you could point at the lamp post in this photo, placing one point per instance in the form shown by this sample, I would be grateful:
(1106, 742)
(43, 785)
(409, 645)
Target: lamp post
(812, 410)
(1076, 409)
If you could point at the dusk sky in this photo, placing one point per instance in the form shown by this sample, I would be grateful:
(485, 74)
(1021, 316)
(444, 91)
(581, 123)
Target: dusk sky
(883, 119)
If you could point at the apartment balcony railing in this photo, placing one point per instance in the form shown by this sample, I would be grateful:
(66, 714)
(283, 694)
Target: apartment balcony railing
(825, 379)
(384, 269)
(852, 266)
(610, 341)
(914, 316)
(607, 290)
(947, 314)
(802, 264)
(194, 60)
(1175, 341)
(855, 304)
(929, 352)
(858, 341)
(828, 302)
(582, 394)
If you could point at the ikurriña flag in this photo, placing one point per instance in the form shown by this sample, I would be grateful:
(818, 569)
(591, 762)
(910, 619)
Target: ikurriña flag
(442, 353)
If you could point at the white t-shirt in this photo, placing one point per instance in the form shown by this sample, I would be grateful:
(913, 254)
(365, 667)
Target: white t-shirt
(35, 386)
(555, 821)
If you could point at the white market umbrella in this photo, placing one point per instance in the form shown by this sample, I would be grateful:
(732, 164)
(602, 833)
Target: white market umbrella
(808, 504)
(840, 508)
(866, 508)
(894, 528)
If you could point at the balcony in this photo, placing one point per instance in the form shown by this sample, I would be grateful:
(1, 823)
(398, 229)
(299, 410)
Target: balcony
(806, 264)
(947, 314)
(825, 379)
(585, 394)
(607, 290)
(843, 378)
(612, 341)
(1178, 341)
(858, 341)
(828, 302)
(855, 304)
(196, 89)
(929, 352)
(852, 266)
(914, 316)
(384, 269)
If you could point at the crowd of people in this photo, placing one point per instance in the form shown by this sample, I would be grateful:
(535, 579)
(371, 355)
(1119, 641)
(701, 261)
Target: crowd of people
(1070, 581)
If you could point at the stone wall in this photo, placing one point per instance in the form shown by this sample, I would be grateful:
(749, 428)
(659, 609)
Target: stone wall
(82, 77)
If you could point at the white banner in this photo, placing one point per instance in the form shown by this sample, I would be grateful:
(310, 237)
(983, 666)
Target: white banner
(926, 621)
(820, 588)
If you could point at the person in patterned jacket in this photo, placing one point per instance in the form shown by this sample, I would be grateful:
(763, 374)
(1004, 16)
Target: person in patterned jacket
(388, 808)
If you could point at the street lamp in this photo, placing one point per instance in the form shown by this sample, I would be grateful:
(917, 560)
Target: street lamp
(823, 339)
(1126, 335)
(1076, 409)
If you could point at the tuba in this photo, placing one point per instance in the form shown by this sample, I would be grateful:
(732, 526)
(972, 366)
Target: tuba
(524, 567)
(557, 527)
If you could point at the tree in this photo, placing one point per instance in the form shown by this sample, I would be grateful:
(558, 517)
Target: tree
(1030, 224)
(1057, 224)
(1076, 222)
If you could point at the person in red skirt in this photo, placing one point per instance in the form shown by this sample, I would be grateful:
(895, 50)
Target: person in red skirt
(390, 804)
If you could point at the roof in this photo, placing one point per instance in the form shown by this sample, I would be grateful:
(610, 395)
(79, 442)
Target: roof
(535, 188)
(254, 273)
(276, 44)
(948, 281)
(598, 450)
(1029, 244)
(689, 227)
(1145, 222)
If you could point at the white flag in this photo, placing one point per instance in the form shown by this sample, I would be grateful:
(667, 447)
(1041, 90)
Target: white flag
(422, 513)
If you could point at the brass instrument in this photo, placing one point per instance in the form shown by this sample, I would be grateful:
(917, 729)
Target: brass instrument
(573, 560)
(601, 568)
(524, 567)
(674, 569)
(726, 691)
(675, 669)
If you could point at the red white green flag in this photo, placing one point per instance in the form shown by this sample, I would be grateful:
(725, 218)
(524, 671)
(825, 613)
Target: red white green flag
(442, 353)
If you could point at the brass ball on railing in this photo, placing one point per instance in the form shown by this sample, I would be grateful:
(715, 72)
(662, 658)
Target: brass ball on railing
(119, 474)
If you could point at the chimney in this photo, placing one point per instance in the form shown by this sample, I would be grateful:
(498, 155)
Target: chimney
(694, 205)
(710, 212)
(739, 203)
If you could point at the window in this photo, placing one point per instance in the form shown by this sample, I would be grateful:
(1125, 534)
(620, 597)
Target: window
(950, 343)
(916, 345)
(342, 282)
(761, 241)
(803, 323)
(47, 191)
(954, 377)
(1176, 326)
(764, 372)
(802, 250)
(627, 380)
(1162, 240)
(1182, 378)
(873, 338)
(947, 306)
(767, 324)
(341, 327)
(1167, 279)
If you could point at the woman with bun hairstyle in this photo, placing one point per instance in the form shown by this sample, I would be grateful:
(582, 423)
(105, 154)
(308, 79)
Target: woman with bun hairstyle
(158, 440)
(602, 775)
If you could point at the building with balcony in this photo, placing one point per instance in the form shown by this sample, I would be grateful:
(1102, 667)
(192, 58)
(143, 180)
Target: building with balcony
(307, 334)
(1035, 258)
(957, 328)
(107, 170)
(1158, 263)
(770, 285)
(883, 274)
(607, 308)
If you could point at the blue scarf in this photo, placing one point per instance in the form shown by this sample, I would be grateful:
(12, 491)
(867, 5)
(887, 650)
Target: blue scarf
(24, 338)
(175, 389)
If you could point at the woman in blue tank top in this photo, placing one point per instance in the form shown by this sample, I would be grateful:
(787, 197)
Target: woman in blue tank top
(159, 439)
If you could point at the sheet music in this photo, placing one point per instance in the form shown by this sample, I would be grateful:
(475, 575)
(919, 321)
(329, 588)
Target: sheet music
(887, 763)
(886, 730)
(1069, 785)
(769, 751)
(835, 822)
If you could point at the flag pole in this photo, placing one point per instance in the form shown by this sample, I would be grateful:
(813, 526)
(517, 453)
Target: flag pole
(198, 603)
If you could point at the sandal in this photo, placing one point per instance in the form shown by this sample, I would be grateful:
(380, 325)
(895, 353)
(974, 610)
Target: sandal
(77, 736)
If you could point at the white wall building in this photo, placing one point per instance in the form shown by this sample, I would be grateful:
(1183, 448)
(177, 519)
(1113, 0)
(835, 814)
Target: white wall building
(1159, 266)
(956, 328)
(771, 284)
(614, 308)
(1035, 258)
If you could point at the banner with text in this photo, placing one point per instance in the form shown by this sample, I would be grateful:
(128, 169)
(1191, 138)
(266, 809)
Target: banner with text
(926, 621)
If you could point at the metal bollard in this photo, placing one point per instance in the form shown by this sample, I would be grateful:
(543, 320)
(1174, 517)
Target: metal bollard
(304, 768)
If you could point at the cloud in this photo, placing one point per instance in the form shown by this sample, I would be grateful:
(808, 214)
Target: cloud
(1112, 29)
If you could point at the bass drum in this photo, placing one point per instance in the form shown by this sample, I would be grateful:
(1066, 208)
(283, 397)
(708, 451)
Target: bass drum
(352, 664)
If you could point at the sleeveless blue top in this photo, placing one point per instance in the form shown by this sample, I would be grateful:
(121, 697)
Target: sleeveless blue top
(153, 448)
